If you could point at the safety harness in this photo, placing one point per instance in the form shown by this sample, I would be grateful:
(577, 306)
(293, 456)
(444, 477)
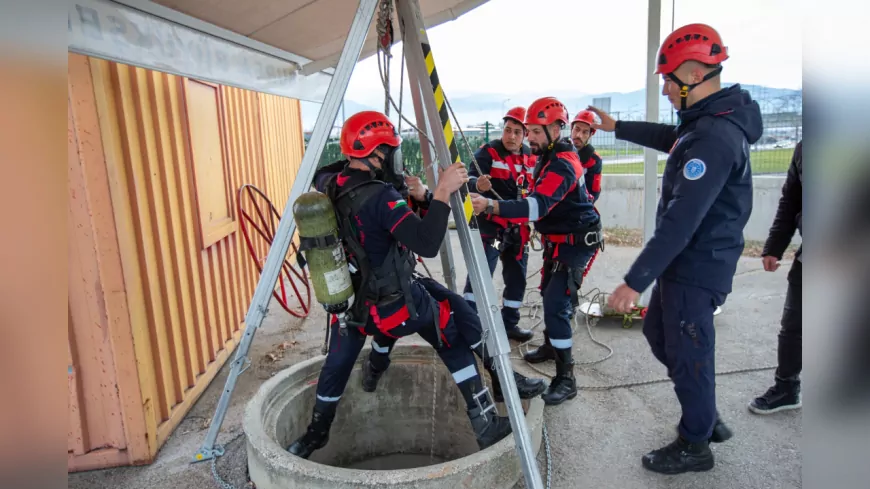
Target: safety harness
(378, 286)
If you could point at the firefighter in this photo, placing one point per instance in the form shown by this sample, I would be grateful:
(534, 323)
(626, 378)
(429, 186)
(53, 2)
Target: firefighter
(379, 234)
(706, 200)
(582, 131)
(570, 229)
(419, 198)
(507, 165)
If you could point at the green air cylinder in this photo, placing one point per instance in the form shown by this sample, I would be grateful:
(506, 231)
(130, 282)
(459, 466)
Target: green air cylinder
(327, 266)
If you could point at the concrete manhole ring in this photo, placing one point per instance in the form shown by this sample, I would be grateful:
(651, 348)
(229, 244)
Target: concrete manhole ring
(389, 428)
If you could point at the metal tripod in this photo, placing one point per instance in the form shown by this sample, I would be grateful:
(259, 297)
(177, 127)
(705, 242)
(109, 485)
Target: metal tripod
(427, 94)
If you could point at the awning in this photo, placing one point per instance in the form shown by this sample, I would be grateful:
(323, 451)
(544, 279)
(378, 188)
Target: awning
(285, 47)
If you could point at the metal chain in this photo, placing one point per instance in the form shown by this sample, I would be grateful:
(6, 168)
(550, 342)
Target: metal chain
(222, 483)
(434, 396)
(547, 454)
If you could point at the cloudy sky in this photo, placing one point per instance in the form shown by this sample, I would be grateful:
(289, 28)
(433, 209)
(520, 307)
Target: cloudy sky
(510, 46)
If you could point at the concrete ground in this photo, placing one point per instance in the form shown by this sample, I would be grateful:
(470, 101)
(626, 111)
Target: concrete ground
(596, 440)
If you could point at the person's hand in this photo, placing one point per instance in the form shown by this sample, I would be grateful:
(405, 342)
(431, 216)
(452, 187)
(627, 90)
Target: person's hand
(478, 202)
(416, 189)
(484, 183)
(623, 299)
(608, 124)
(450, 180)
(771, 263)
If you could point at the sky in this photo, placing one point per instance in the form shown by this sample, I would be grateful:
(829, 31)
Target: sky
(494, 42)
(510, 46)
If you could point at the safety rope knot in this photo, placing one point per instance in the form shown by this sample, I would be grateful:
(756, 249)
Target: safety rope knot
(384, 26)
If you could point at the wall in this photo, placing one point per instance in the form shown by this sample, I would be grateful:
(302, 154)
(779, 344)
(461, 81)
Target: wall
(621, 203)
(160, 279)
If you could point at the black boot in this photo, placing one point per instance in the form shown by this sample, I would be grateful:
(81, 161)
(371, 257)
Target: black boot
(518, 334)
(680, 456)
(784, 395)
(316, 437)
(563, 386)
(489, 428)
(527, 388)
(371, 376)
(542, 353)
(721, 431)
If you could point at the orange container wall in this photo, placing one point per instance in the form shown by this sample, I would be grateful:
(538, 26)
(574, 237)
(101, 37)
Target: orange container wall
(160, 279)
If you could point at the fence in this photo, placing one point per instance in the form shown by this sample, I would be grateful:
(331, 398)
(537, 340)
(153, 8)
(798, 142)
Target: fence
(782, 120)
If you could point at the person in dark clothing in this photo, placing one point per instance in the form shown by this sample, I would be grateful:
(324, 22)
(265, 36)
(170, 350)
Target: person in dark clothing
(785, 393)
(706, 200)
(582, 131)
(570, 229)
(379, 234)
(419, 199)
(507, 165)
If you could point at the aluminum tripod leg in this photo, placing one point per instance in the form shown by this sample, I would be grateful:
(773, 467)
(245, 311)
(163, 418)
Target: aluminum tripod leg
(274, 260)
(446, 251)
(422, 64)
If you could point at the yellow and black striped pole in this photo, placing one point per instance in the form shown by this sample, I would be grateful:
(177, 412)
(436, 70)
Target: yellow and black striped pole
(441, 104)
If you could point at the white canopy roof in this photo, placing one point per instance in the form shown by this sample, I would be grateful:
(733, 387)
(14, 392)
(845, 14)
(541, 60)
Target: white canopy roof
(285, 47)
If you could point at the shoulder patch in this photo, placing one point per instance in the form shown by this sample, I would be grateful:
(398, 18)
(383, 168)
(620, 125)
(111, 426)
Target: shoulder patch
(694, 169)
(397, 203)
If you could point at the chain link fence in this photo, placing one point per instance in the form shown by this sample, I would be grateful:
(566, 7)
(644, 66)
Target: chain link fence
(781, 115)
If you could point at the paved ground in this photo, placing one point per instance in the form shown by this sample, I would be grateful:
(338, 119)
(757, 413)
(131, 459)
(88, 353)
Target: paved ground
(596, 440)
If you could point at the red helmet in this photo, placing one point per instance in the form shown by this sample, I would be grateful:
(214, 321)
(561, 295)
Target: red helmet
(586, 117)
(545, 111)
(364, 131)
(693, 42)
(517, 114)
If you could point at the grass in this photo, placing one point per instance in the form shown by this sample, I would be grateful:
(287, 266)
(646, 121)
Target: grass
(764, 161)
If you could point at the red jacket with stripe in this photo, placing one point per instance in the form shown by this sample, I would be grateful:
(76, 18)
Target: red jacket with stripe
(511, 176)
(592, 165)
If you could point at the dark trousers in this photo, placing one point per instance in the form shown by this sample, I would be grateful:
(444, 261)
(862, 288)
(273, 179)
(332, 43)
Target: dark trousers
(463, 319)
(789, 350)
(455, 352)
(558, 302)
(679, 328)
(513, 272)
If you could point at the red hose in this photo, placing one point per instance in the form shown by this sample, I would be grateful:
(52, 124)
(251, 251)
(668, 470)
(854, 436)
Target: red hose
(266, 231)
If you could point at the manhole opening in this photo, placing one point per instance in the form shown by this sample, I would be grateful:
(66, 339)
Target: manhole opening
(391, 428)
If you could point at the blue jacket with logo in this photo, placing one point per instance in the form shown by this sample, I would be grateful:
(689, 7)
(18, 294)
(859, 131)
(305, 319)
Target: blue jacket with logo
(706, 191)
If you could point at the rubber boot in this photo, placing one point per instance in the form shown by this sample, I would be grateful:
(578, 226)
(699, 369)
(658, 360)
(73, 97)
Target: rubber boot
(489, 428)
(316, 437)
(542, 353)
(371, 376)
(563, 386)
(680, 456)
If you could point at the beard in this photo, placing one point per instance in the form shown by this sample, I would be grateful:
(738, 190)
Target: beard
(536, 149)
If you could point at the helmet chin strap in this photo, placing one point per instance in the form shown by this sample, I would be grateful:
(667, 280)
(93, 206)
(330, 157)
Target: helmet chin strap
(685, 88)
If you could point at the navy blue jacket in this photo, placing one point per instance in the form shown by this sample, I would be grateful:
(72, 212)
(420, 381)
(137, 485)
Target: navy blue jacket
(559, 203)
(706, 191)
